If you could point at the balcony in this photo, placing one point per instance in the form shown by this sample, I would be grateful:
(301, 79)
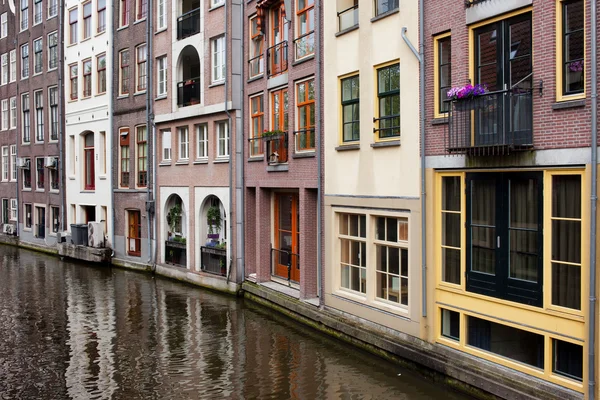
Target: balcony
(277, 148)
(347, 18)
(188, 24)
(491, 124)
(188, 92)
(175, 253)
(277, 58)
(214, 260)
(256, 66)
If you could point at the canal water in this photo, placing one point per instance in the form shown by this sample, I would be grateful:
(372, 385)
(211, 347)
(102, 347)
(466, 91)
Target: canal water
(72, 331)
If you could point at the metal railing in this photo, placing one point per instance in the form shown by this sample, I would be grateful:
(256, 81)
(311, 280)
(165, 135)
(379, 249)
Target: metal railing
(213, 260)
(256, 66)
(492, 123)
(305, 139)
(277, 149)
(389, 126)
(277, 58)
(175, 253)
(305, 45)
(188, 92)
(285, 258)
(188, 24)
(347, 18)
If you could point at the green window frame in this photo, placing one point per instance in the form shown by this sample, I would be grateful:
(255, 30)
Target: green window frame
(350, 109)
(388, 94)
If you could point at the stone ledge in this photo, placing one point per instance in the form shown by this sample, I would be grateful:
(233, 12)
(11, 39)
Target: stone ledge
(85, 253)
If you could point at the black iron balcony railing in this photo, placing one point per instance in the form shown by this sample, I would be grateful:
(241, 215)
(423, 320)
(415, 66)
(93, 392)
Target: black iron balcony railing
(277, 149)
(256, 66)
(188, 24)
(277, 58)
(175, 253)
(305, 45)
(348, 18)
(283, 259)
(188, 92)
(214, 260)
(389, 126)
(305, 139)
(495, 123)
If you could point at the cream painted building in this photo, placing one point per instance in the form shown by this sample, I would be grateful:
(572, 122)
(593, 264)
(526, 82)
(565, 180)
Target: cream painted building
(372, 181)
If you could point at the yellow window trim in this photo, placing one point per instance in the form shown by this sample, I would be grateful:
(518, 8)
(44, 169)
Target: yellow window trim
(341, 109)
(436, 76)
(559, 50)
(376, 138)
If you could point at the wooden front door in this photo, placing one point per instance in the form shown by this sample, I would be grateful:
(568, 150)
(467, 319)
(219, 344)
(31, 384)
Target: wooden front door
(287, 236)
(134, 234)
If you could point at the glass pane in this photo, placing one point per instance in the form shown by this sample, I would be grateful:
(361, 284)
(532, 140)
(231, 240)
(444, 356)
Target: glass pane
(568, 359)
(524, 203)
(574, 46)
(445, 76)
(403, 229)
(573, 16)
(345, 251)
(483, 243)
(445, 50)
(363, 226)
(394, 260)
(346, 89)
(285, 213)
(483, 202)
(566, 241)
(451, 324)
(354, 278)
(345, 278)
(343, 224)
(566, 286)
(363, 280)
(381, 288)
(451, 193)
(363, 254)
(392, 230)
(451, 266)
(380, 229)
(381, 254)
(451, 229)
(566, 196)
(404, 262)
(524, 248)
(355, 253)
(353, 219)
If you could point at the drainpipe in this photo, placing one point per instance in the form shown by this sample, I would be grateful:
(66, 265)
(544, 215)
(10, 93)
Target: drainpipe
(229, 146)
(319, 145)
(239, 160)
(419, 56)
(149, 124)
(593, 200)
(61, 142)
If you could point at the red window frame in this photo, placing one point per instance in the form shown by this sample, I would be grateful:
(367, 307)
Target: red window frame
(124, 13)
(73, 25)
(101, 16)
(87, 20)
(89, 167)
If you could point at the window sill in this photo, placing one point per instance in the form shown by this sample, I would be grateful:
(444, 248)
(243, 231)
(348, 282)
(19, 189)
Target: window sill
(216, 7)
(439, 121)
(389, 143)
(201, 161)
(140, 93)
(88, 191)
(218, 83)
(182, 162)
(256, 158)
(102, 177)
(308, 154)
(139, 21)
(277, 168)
(50, 17)
(25, 143)
(27, 189)
(55, 191)
(561, 105)
(161, 97)
(347, 30)
(255, 78)
(100, 33)
(39, 190)
(164, 164)
(84, 40)
(303, 60)
(161, 30)
(25, 229)
(385, 14)
(221, 160)
(49, 70)
(99, 94)
(122, 27)
(122, 96)
(71, 178)
(348, 147)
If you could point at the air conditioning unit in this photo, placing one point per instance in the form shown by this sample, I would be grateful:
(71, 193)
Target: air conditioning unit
(8, 229)
(96, 234)
(22, 162)
(51, 162)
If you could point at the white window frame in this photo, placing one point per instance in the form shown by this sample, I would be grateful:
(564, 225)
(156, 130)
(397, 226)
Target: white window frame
(4, 25)
(52, 3)
(161, 76)
(183, 138)
(50, 50)
(13, 65)
(362, 257)
(167, 152)
(202, 142)
(13, 162)
(222, 131)
(38, 103)
(13, 209)
(27, 207)
(144, 52)
(25, 69)
(39, 54)
(25, 117)
(38, 4)
(53, 112)
(5, 164)
(13, 112)
(218, 64)
(24, 15)
(216, 3)
(4, 67)
(161, 15)
(5, 116)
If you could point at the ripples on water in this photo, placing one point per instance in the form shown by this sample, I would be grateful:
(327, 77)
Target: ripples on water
(69, 331)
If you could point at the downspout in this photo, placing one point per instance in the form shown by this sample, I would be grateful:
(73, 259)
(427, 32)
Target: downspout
(61, 142)
(240, 164)
(150, 126)
(318, 127)
(419, 55)
(229, 146)
(110, 113)
(593, 200)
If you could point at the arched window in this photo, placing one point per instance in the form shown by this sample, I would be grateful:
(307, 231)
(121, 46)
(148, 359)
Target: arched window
(88, 156)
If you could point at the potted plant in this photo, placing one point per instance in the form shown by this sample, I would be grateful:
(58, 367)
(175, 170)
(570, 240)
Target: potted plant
(459, 94)
(173, 217)
(213, 217)
(272, 135)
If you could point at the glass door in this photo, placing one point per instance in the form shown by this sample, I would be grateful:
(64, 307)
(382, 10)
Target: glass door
(287, 236)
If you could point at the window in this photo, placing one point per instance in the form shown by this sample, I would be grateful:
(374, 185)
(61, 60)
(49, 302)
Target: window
(55, 213)
(37, 12)
(4, 114)
(353, 252)
(257, 125)
(89, 173)
(218, 59)
(140, 60)
(73, 26)
(391, 246)
(202, 142)
(350, 109)
(25, 61)
(123, 13)
(13, 163)
(257, 65)
(13, 65)
(222, 139)
(388, 94)
(73, 75)
(277, 53)
(305, 17)
(451, 229)
(279, 112)
(184, 143)
(5, 163)
(142, 155)
(166, 145)
(52, 8)
(161, 63)
(53, 102)
(124, 144)
(27, 174)
(13, 209)
(141, 9)
(215, 3)
(13, 112)
(101, 16)
(38, 49)
(26, 121)
(572, 47)
(39, 173)
(24, 14)
(442, 75)
(305, 103)
(450, 324)
(567, 359)
(3, 25)
(53, 172)
(383, 6)
(87, 20)
(38, 98)
(134, 233)
(87, 78)
(53, 50)
(124, 72)
(101, 73)
(161, 19)
(28, 217)
(4, 66)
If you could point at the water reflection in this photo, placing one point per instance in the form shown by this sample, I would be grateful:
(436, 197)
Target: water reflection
(73, 331)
